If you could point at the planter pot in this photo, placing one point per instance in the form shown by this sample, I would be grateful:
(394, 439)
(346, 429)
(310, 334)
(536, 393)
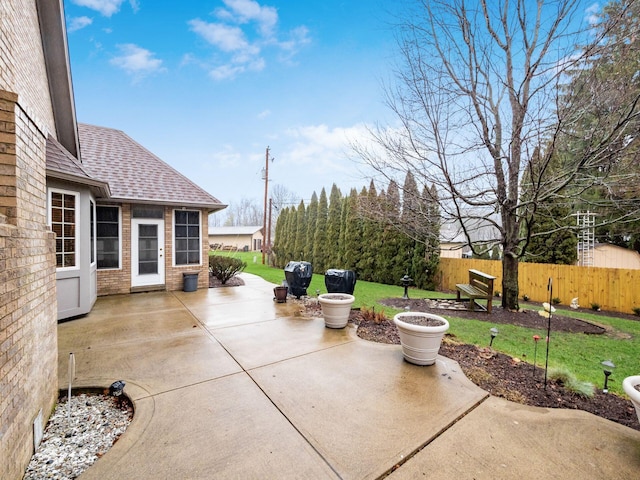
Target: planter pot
(628, 384)
(336, 308)
(420, 341)
(280, 293)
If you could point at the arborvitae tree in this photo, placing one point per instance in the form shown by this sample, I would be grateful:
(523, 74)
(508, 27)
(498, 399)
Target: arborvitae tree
(320, 239)
(344, 213)
(409, 224)
(353, 233)
(279, 241)
(333, 228)
(312, 216)
(290, 235)
(301, 232)
(388, 270)
(426, 254)
(371, 236)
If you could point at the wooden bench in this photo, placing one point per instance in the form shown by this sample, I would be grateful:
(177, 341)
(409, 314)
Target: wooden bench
(480, 286)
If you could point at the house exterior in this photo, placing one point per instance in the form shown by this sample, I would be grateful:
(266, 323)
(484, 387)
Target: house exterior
(84, 211)
(36, 102)
(236, 238)
(152, 227)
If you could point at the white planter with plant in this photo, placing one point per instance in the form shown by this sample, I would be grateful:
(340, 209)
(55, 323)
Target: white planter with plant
(629, 385)
(336, 308)
(420, 336)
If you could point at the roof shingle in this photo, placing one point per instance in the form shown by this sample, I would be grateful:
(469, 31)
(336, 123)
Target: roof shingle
(136, 174)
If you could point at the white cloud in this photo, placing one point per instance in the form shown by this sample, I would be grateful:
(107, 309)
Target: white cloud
(225, 37)
(244, 11)
(264, 114)
(231, 35)
(136, 61)
(591, 14)
(78, 23)
(106, 7)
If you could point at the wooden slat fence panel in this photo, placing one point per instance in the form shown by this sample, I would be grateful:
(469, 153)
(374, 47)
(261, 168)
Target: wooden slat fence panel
(613, 289)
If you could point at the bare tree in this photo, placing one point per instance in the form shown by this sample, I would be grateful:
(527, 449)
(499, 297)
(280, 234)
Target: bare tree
(478, 92)
(245, 213)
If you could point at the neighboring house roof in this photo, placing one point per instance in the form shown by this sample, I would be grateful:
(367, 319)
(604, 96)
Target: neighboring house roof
(135, 174)
(480, 230)
(64, 166)
(233, 230)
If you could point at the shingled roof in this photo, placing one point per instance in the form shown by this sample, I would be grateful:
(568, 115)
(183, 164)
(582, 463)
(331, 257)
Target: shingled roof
(62, 165)
(135, 174)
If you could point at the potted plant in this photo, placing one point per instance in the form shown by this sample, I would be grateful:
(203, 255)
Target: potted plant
(280, 293)
(629, 385)
(420, 336)
(336, 308)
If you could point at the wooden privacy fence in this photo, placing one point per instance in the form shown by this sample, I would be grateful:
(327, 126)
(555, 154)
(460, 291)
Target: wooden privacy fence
(613, 289)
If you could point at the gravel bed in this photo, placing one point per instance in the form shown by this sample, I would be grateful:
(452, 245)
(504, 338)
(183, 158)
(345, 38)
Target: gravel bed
(72, 444)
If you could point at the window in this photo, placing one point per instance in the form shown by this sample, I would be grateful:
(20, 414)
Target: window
(187, 245)
(108, 234)
(63, 223)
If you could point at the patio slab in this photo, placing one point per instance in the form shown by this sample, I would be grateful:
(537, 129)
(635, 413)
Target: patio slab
(505, 440)
(364, 408)
(225, 428)
(232, 385)
(170, 352)
(263, 343)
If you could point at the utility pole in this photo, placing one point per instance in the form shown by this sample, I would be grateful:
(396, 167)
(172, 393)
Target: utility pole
(266, 191)
(269, 227)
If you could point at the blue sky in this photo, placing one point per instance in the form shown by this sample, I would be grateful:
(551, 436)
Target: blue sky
(208, 85)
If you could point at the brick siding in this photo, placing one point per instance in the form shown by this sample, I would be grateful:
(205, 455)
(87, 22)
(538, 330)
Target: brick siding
(28, 327)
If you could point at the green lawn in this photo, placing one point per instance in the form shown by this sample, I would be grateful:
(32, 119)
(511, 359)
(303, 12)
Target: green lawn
(580, 353)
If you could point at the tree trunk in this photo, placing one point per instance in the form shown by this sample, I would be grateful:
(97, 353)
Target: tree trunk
(510, 282)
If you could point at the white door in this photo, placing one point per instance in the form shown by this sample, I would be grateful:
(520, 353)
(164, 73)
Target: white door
(147, 252)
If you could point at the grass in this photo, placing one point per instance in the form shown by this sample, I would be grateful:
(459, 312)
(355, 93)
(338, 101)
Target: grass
(579, 354)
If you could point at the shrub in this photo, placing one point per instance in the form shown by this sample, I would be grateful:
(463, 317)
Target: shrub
(564, 377)
(373, 316)
(636, 310)
(223, 268)
(555, 300)
(595, 306)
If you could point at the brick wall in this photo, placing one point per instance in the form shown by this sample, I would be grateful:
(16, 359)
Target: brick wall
(28, 336)
(118, 281)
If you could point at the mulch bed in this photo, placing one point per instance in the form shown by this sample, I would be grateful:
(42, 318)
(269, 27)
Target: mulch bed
(499, 315)
(502, 375)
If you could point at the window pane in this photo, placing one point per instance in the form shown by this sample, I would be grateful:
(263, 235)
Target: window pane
(56, 215)
(193, 218)
(181, 258)
(181, 217)
(187, 237)
(108, 237)
(147, 211)
(56, 199)
(107, 214)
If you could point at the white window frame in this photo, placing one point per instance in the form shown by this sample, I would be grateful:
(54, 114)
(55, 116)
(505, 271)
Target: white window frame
(77, 235)
(94, 232)
(173, 237)
(120, 240)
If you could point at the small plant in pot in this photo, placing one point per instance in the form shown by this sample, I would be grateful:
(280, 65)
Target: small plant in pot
(420, 336)
(336, 308)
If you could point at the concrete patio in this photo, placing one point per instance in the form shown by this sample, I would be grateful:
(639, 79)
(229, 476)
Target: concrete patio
(228, 384)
